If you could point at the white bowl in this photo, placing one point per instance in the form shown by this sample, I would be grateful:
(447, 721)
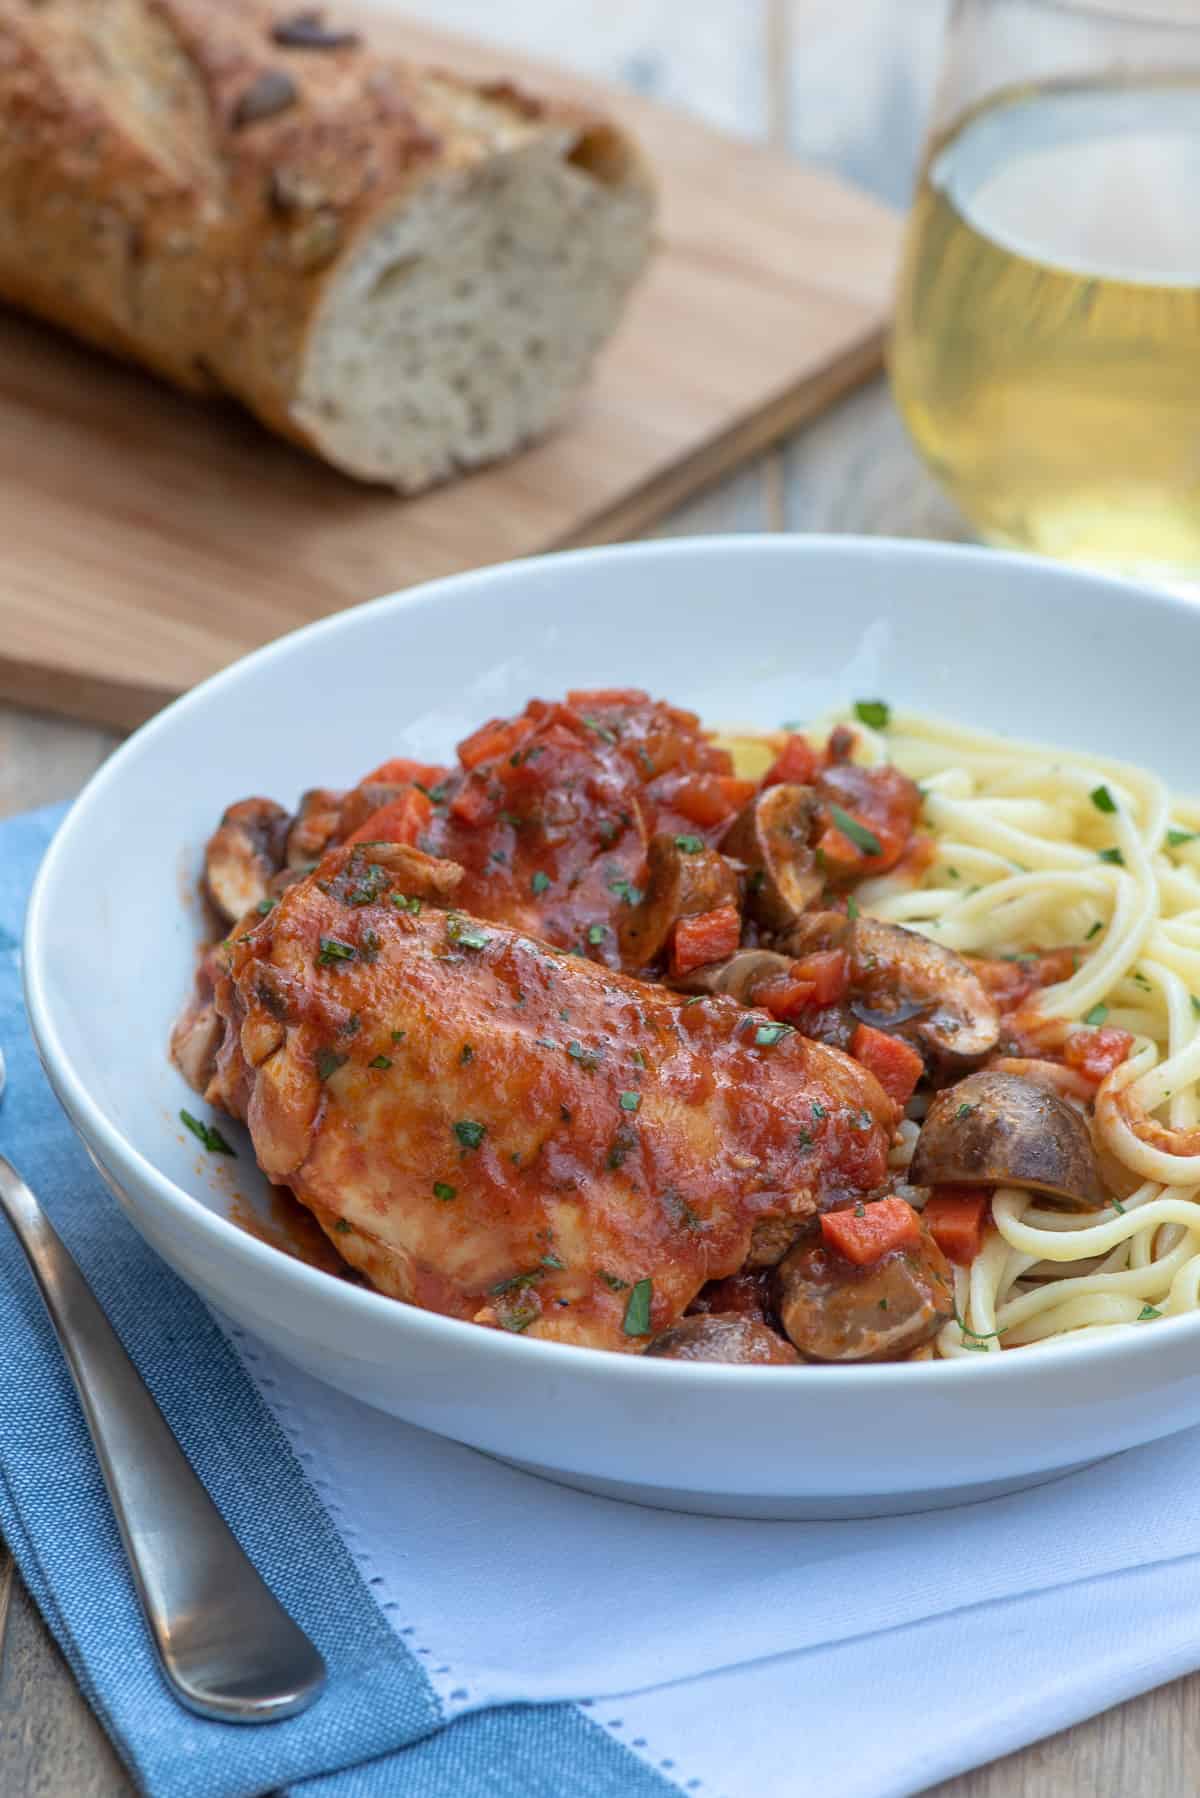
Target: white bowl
(743, 629)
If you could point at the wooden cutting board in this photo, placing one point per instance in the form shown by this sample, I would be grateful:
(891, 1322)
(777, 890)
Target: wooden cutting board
(149, 539)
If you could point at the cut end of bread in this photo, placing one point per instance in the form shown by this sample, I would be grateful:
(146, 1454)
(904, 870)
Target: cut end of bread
(463, 323)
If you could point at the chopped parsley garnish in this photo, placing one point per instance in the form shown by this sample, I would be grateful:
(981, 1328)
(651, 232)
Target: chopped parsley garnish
(964, 1111)
(333, 949)
(466, 1053)
(767, 1035)
(1096, 1015)
(540, 882)
(1195, 1004)
(266, 905)
(552, 1261)
(371, 945)
(587, 1058)
(695, 999)
(630, 1101)
(1097, 927)
(608, 831)
(597, 933)
(637, 1058)
(382, 1062)
(626, 891)
(1175, 838)
(980, 1336)
(689, 845)
(398, 1036)
(637, 1311)
(883, 1304)
(804, 1139)
(1102, 799)
(437, 795)
(327, 1062)
(402, 902)
(343, 1226)
(873, 712)
(819, 1110)
(469, 1133)
(462, 932)
(859, 835)
(612, 1282)
(954, 873)
(600, 730)
(1118, 1207)
(1112, 856)
(852, 908)
(441, 1190)
(1147, 1312)
(208, 1134)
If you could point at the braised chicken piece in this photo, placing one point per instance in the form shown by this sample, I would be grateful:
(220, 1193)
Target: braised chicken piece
(494, 1129)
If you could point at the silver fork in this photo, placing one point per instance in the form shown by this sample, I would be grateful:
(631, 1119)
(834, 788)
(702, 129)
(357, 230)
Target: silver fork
(227, 1647)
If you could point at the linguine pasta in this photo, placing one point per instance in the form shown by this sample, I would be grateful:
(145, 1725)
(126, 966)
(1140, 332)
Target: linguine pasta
(1036, 849)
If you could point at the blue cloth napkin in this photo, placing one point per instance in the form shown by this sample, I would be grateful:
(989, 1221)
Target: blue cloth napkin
(379, 1729)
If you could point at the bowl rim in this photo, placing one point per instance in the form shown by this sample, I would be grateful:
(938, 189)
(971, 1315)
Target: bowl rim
(128, 1166)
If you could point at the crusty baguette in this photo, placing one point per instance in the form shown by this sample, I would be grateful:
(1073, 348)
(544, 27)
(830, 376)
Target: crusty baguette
(404, 272)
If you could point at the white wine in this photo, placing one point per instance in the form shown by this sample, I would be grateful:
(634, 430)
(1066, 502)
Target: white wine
(1046, 351)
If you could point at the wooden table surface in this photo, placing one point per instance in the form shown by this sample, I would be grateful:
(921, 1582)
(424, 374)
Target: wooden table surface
(845, 83)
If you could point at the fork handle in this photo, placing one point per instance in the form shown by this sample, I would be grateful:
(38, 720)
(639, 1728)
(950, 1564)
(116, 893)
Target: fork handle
(228, 1648)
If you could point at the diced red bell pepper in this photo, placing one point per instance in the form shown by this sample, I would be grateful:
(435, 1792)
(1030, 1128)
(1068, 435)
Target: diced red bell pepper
(895, 1064)
(709, 936)
(472, 803)
(400, 821)
(1095, 1053)
(796, 762)
(401, 769)
(709, 799)
(866, 1233)
(957, 1218)
(498, 737)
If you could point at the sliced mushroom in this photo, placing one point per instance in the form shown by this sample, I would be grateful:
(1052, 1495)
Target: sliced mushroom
(771, 835)
(813, 933)
(723, 1336)
(679, 884)
(834, 1311)
(736, 977)
(243, 855)
(892, 968)
(314, 827)
(994, 1129)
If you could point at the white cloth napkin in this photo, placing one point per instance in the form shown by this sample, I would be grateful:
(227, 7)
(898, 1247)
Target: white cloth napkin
(764, 1660)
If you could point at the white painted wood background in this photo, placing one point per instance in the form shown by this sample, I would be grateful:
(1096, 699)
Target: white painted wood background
(846, 83)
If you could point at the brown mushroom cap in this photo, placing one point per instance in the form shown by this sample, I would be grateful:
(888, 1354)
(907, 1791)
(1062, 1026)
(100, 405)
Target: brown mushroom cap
(727, 1336)
(834, 1311)
(736, 977)
(680, 883)
(995, 1129)
(771, 835)
(243, 855)
(891, 967)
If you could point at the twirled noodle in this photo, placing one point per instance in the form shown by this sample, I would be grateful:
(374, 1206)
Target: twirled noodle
(1028, 858)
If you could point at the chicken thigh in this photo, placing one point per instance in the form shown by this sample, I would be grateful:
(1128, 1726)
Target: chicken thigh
(495, 1129)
